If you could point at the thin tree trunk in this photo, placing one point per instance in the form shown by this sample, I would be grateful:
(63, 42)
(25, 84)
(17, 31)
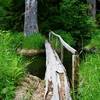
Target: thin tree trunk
(92, 7)
(30, 23)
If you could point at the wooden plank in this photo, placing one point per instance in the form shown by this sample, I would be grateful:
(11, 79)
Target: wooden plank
(67, 46)
(56, 75)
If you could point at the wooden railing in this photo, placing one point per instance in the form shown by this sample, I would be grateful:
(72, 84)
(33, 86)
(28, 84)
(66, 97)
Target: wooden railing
(75, 58)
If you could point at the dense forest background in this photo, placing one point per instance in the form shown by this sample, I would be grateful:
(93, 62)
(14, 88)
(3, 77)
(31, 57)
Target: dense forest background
(72, 20)
(57, 15)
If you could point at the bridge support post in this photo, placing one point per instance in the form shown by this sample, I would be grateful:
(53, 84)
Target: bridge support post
(75, 73)
(62, 52)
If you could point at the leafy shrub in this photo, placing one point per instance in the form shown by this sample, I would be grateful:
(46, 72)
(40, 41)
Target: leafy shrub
(95, 40)
(66, 36)
(11, 15)
(98, 19)
(75, 20)
(90, 78)
(70, 16)
(34, 41)
(11, 65)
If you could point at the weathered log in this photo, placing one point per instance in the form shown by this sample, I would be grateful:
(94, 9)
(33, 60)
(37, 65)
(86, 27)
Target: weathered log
(67, 46)
(29, 52)
(55, 77)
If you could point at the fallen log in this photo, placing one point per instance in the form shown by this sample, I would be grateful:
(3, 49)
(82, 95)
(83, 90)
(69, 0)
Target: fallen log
(29, 52)
(57, 85)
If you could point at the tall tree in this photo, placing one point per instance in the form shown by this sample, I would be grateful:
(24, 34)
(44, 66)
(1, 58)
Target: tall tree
(30, 23)
(92, 4)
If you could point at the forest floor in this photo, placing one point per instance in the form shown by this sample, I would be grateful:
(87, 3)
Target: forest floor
(31, 88)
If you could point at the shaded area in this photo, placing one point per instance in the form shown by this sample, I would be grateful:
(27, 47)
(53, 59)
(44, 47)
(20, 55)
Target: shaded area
(37, 67)
(67, 61)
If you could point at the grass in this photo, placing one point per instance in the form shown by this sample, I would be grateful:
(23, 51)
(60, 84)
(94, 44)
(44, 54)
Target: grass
(89, 87)
(11, 65)
(94, 41)
(34, 41)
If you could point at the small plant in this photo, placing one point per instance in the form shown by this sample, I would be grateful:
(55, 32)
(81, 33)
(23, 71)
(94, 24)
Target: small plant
(34, 41)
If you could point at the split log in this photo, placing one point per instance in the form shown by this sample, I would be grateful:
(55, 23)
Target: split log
(57, 84)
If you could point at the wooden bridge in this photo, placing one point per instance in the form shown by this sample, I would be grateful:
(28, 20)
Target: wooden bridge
(57, 83)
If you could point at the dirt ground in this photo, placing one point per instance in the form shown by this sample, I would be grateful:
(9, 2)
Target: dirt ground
(31, 88)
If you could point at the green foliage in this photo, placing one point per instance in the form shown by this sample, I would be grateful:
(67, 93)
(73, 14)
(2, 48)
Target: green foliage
(12, 15)
(47, 12)
(95, 40)
(90, 78)
(66, 36)
(34, 41)
(68, 15)
(14, 39)
(75, 20)
(11, 66)
(98, 19)
(56, 44)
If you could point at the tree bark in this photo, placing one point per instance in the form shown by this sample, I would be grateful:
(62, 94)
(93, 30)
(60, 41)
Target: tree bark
(30, 22)
(92, 7)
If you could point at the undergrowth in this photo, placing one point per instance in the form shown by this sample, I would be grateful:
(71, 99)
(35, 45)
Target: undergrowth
(89, 87)
(34, 41)
(66, 37)
(11, 65)
(94, 43)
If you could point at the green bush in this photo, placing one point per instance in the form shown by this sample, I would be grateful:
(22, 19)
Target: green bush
(14, 39)
(66, 36)
(11, 15)
(70, 16)
(95, 41)
(11, 65)
(34, 41)
(89, 86)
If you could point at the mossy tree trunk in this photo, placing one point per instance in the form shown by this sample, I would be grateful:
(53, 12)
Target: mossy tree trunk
(30, 22)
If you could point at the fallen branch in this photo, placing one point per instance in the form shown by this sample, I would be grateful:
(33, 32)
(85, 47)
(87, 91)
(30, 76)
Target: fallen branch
(29, 52)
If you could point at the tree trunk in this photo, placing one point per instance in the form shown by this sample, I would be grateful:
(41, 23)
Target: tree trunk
(92, 7)
(30, 23)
